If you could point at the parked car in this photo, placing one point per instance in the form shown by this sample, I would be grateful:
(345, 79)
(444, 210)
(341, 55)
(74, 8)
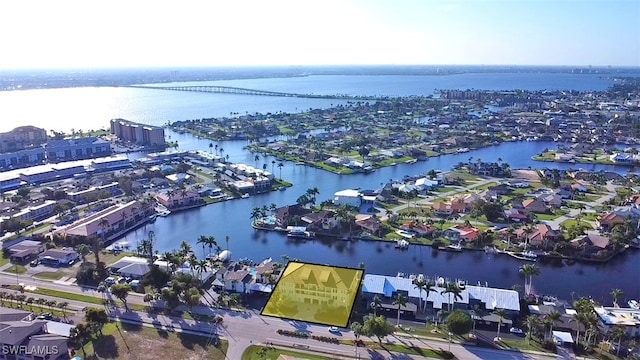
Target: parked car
(110, 280)
(334, 330)
(35, 262)
(517, 331)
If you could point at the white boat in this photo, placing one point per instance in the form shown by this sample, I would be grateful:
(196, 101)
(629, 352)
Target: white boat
(633, 304)
(164, 213)
(527, 255)
(223, 256)
(245, 195)
(299, 232)
(402, 244)
(456, 248)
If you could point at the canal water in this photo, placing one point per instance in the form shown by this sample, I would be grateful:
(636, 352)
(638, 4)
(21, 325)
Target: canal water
(232, 218)
(92, 108)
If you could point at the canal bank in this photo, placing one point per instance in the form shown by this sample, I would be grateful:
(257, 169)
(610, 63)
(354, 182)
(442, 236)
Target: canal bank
(232, 218)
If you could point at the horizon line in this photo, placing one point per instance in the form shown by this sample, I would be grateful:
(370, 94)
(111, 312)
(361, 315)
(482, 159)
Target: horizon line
(149, 67)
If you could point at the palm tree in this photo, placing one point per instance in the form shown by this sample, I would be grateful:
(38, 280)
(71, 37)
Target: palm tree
(29, 301)
(376, 304)
(255, 213)
(617, 333)
(401, 301)
(452, 288)
(616, 294)
(553, 316)
(280, 166)
(429, 286)
(203, 240)
(477, 313)
(529, 271)
(419, 283)
(213, 243)
(63, 305)
(501, 313)
(533, 322)
(185, 248)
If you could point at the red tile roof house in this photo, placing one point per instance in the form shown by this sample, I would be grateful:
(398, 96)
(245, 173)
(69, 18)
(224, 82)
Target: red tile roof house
(542, 234)
(591, 242)
(370, 224)
(535, 206)
(448, 208)
(459, 232)
(609, 220)
(515, 215)
(422, 230)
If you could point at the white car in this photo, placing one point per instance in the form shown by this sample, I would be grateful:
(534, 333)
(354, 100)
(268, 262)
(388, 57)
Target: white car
(334, 330)
(517, 331)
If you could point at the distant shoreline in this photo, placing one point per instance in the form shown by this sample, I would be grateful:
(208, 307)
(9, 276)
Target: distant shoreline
(29, 79)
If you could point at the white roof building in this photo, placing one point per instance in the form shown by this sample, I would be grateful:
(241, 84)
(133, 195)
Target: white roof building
(492, 298)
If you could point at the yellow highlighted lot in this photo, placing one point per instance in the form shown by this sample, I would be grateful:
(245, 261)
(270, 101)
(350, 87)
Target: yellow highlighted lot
(315, 293)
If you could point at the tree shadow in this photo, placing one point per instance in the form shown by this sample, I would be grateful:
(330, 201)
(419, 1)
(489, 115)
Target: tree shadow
(105, 347)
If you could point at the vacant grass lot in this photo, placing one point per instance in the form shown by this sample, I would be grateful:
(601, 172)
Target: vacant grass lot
(49, 275)
(255, 352)
(124, 341)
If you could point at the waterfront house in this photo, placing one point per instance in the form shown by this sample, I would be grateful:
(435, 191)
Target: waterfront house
(622, 158)
(607, 221)
(627, 318)
(421, 230)
(321, 220)
(287, 214)
(369, 223)
(540, 236)
(458, 233)
(347, 197)
(591, 243)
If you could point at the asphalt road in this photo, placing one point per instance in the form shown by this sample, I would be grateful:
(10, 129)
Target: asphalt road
(242, 329)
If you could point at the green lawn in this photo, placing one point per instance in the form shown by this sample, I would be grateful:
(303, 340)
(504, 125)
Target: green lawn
(523, 344)
(19, 269)
(125, 341)
(445, 189)
(49, 275)
(553, 216)
(36, 308)
(80, 297)
(4, 260)
(485, 186)
(256, 352)
(340, 170)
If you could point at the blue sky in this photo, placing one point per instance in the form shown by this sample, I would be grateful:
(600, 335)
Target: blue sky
(64, 33)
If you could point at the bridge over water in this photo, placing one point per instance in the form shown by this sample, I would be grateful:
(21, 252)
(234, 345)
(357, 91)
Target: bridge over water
(254, 92)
